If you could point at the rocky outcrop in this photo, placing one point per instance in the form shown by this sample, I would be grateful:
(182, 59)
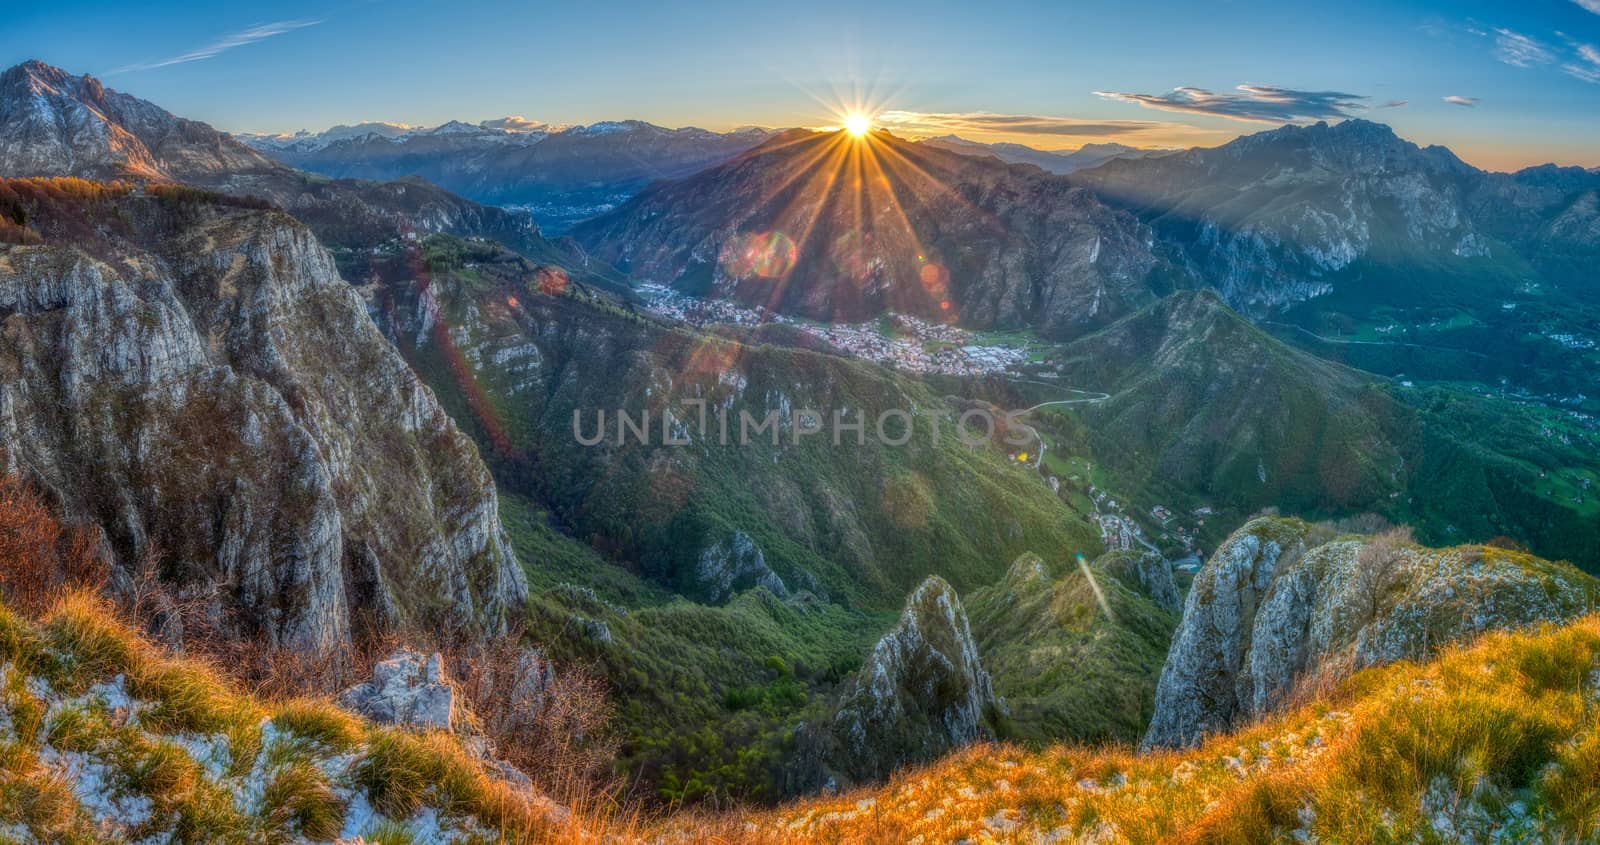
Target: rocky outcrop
(1147, 573)
(195, 377)
(406, 689)
(411, 691)
(736, 564)
(921, 692)
(1279, 606)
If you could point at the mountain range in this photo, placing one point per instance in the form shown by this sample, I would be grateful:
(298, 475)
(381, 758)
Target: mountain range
(1350, 233)
(55, 124)
(560, 174)
(1059, 162)
(1345, 239)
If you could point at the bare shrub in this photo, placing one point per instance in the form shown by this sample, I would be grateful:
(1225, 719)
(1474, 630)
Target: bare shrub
(1380, 569)
(40, 558)
(550, 724)
(1364, 523)
(1510, 544)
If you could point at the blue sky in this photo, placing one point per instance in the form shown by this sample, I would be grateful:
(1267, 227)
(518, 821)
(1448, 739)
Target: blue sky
(1523, 78)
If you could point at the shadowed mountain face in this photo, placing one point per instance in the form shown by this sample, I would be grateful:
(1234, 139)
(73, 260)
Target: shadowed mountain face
(1271, 214)
(561, 175)
(833, 227)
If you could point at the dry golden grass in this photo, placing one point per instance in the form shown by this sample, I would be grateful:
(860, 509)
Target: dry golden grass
(1511, 718)
(81, 641)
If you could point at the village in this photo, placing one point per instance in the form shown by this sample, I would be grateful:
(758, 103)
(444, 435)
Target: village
(912, 344)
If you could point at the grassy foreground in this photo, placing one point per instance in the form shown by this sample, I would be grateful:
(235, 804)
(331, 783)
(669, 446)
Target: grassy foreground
(105, 737)
(1496, 741)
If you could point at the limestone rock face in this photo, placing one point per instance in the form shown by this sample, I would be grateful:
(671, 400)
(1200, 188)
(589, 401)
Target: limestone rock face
(1148, 573)
(406, 689)
(736, 564)
(1276, 606)
(195, 377)
(921, 692)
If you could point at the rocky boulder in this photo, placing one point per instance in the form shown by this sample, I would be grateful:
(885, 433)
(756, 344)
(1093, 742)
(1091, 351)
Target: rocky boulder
(1282, 603)
(411, 691)
(408, 690)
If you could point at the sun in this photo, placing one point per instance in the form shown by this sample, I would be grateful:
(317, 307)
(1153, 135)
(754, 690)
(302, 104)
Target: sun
(857, 124)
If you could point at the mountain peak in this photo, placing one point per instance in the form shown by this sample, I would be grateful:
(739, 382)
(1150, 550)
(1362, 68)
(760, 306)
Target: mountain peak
(53, 123)
(40, 77)
(35, 68)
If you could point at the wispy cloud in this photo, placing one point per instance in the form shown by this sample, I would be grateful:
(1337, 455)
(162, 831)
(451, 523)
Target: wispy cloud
(1591, 5)
(1520, 50)
(1010, 124)
(1258, 103)
(1395, 104)
(1457, 100)
(516, 123)
(249, 35)
(1587, 65)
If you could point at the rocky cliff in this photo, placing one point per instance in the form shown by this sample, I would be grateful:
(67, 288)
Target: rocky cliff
(193, 375)
(1281, 605)
(921, 692)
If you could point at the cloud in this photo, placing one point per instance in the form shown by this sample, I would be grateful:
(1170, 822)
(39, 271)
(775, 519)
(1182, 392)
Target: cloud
(1009, 124)
(259, 32)
(1395, 104)
(1587, 67)
(1519, 50)
(1259, 103)
(1456, 100)
(516, 123)
(1591, 5)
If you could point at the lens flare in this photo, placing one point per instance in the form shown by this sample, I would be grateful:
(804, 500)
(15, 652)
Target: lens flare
(766, 255)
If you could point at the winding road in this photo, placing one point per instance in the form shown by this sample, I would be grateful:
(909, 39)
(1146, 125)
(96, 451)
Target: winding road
(1089, 397)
